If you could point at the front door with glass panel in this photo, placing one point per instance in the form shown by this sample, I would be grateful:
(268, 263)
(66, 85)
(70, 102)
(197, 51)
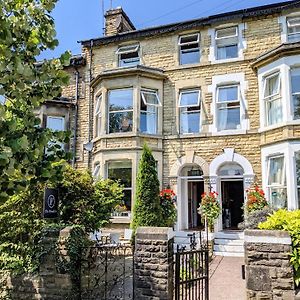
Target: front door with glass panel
(195, 190)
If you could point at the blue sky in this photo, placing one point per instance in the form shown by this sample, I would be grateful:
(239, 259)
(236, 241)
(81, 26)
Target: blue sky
(77, 20)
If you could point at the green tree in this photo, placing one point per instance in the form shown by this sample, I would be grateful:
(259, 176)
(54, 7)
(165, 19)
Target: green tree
(27, 29)
(147, 209)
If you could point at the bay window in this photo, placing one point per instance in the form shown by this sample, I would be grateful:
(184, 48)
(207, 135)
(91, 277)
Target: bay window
(190, 111)
(227, 43)
(98, 115)
(121, 171)
(272, 99)
(120, 106)
(228, 107)
(189, 49)
(128, 56)
(96, 171)
(295, 86)
(293, 29)
(276, 183)
(149, 111)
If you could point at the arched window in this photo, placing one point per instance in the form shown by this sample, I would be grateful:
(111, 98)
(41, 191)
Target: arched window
(230, 169)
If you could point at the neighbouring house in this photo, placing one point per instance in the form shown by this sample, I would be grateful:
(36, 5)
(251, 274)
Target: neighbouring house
(217, 99)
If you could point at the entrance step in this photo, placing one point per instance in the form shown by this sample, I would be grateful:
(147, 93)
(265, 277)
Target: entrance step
(229, 244)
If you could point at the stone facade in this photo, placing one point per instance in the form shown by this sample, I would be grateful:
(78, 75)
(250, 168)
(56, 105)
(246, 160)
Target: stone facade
(260, 31)
(153, 264)
(269, 274)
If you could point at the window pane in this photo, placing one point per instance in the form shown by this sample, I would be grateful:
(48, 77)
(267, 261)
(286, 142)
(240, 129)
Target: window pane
(150, 97)
(278, 197)
(230, 169)
(56, 123)
(226, 32)
(189, 55)
(274, 112)
(120, 99)
(293, 29)
(189, 122)
(187, 39)
(226, 52)
(120, 122)
(276, 170)
(228, 118)
(120, 170)
(295, 79)
(189, 98)
(129, 59)
(228, 93)
(127, 49)
(148, 122)
(127, 199)
(272, 85)
(297, 158)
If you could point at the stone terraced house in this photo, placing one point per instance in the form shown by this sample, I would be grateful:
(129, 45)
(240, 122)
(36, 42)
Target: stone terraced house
(217, 99)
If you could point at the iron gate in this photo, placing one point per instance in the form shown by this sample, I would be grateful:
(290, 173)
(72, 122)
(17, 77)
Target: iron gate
(107, 273)
(192, 273)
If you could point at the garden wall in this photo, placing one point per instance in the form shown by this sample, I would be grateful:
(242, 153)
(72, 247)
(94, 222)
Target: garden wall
(269, 274)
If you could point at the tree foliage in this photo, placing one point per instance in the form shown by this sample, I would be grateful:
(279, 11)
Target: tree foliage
(147, 209)
(26, 30)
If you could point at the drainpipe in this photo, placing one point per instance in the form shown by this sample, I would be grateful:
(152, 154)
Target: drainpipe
(76, 116)
(90, 102)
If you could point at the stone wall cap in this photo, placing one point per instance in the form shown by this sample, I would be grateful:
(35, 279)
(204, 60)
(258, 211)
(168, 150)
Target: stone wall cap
(154, 232)
(267, 237)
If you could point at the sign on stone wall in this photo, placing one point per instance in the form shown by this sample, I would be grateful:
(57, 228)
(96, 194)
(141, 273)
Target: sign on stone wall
(50, 208)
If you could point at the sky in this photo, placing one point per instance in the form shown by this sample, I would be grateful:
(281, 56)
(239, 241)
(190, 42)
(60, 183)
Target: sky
(77, 20)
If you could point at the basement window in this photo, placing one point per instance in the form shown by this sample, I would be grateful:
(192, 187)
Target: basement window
(293, 29)
(227, 43)
(189, 49)
(128, 56)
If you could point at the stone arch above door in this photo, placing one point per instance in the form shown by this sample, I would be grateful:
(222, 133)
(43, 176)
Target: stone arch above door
(230, 156)
(189, 158)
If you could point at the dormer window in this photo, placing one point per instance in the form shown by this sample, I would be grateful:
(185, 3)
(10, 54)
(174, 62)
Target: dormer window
(189, 49)
(293, 29)
(128, 55)
(227, 43)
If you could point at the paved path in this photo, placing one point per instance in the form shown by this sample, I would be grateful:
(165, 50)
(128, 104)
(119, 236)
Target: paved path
(226, 281)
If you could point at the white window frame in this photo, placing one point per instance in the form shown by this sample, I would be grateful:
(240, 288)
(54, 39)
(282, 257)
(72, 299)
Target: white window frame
(120, 111)
(241, 42)
(98, 114)
(293, 94)
(198, 104)
(277, 96)
(126, 49)
(196, 42)
(238, 101)
(56, 117)
(292, 34)
(96, 170)
(143, 92)
(297, 185)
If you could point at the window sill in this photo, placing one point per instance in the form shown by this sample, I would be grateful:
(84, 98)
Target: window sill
(126, 135)
(228, 60)
(230, 132)
(276, 126)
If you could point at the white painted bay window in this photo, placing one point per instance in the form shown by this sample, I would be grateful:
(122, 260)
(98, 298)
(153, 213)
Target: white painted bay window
(293, 29)
(96, 170)
(228, 107)
(149, 111)
(98, 115)
(189, 48)
(276, 184)
(120, 106)
(297, 164)
(190, 111)
(227, 40)
(295, 90)
(128, 55)
(121, 171)
(272, 99)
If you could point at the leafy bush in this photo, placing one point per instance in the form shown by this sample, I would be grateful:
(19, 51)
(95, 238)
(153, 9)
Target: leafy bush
(147, 209)
(210, 207)
(288, 221)
(169, 212)
(83, 202)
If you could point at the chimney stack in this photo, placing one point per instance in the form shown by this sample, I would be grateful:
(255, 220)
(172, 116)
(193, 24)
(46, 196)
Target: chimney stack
(116, 21)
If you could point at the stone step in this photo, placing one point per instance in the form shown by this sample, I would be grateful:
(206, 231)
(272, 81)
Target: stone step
(229, 248)
(239, 242)
(229, 235)
(232, 254)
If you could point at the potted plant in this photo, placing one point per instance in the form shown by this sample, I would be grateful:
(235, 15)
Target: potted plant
(256, 199)
(167, 201)
(210, 208)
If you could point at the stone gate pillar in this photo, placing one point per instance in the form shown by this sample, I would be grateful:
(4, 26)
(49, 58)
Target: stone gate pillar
(153, 263)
